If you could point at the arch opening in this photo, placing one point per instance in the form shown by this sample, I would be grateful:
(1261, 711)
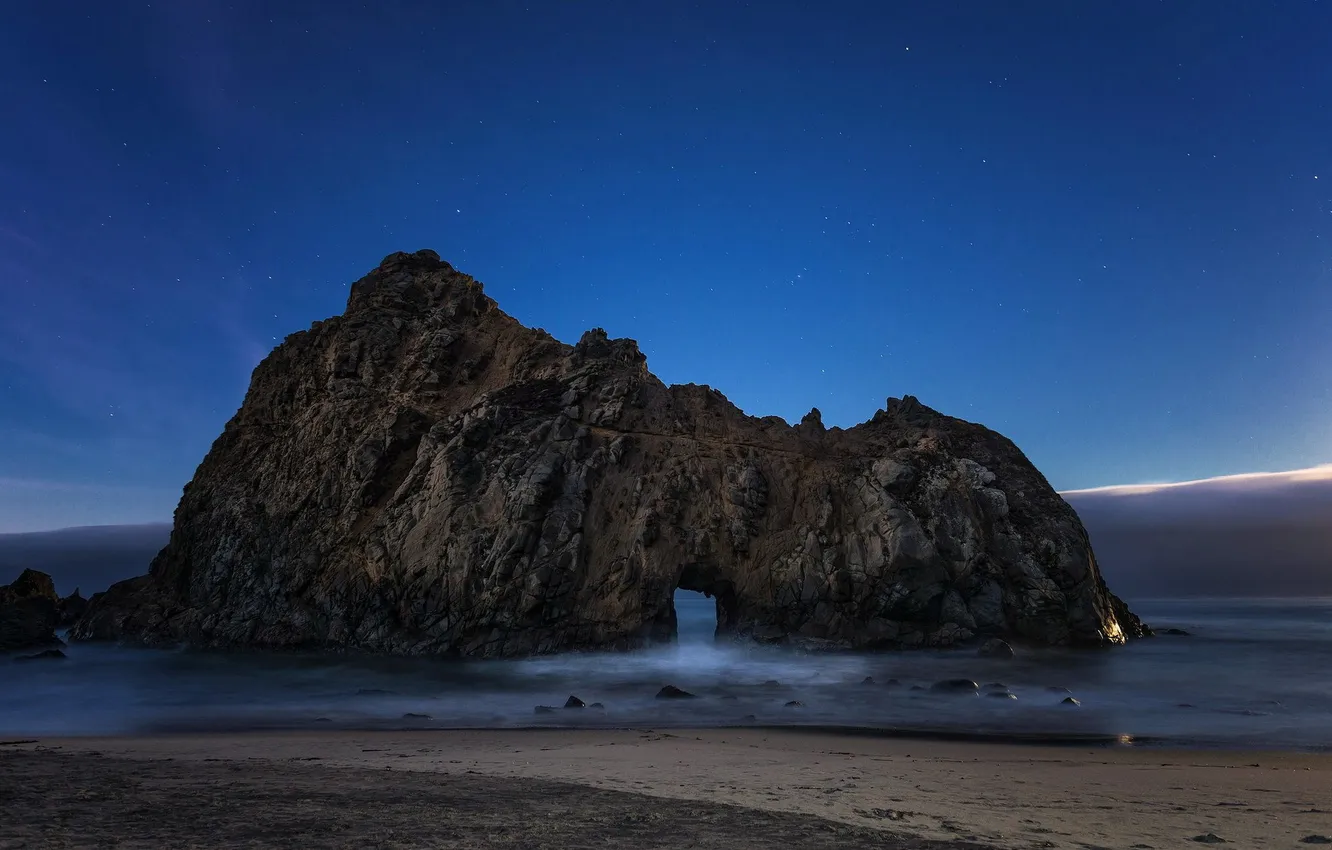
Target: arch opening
(703, 605)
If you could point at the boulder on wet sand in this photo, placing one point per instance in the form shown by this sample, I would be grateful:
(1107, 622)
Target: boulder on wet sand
(424, 475)
(29, 612)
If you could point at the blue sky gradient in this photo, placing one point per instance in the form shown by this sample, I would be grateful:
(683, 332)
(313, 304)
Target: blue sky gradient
(1102, 229)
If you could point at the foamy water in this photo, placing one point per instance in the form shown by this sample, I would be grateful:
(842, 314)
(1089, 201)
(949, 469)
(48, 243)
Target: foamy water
(1254, 673)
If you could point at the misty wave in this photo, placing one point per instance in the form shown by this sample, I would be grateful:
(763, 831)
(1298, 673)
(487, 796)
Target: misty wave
(1176, 690)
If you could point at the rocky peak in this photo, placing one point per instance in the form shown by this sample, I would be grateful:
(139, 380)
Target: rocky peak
(425, 475)
(812, 422)
(597, 345)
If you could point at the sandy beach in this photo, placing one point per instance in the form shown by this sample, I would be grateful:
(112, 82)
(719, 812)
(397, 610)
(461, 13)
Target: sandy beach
(741, 788)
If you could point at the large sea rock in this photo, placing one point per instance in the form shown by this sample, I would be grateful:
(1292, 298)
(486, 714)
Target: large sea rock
(425, 475)
(29, 612)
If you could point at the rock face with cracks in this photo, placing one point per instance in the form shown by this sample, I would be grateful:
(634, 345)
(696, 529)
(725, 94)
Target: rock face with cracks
(425, 475)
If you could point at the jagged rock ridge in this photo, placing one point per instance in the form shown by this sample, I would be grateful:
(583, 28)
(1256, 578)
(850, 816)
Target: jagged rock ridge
(425, 475)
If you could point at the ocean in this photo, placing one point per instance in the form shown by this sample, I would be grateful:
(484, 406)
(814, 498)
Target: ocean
(1252, 673)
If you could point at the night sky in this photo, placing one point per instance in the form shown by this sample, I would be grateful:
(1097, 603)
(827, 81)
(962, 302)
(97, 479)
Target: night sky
(1099, 228)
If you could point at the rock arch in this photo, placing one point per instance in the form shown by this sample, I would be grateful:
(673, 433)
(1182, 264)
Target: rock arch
(425, 475)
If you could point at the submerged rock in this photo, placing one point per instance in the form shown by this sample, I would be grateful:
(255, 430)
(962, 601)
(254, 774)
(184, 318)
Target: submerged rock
(545, 709)
(955, 686)
(425, 475)
(44, 655)
(29, 612)
(995, 648)
(672, 692)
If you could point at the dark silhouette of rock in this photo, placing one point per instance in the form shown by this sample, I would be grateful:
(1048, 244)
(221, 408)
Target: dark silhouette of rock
(893, 683)
(795, 703)
(955, 686)
(545, 709)
(1001, 695)
(868, 680)
(44, 655)
(1070, 701)
(1176, 632)
(1316, 839)
(29, 612)
(574, 702)
(672, 692)
(596, 706)
(70, 609)
(1209, 838)
(995, 648)
(425, 475)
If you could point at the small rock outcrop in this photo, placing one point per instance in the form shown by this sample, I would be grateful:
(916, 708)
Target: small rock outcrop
(29, 612)
(71, 608)
(425, 475)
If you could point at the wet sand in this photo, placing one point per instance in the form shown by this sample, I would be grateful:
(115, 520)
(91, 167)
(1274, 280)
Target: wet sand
(564, 788)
